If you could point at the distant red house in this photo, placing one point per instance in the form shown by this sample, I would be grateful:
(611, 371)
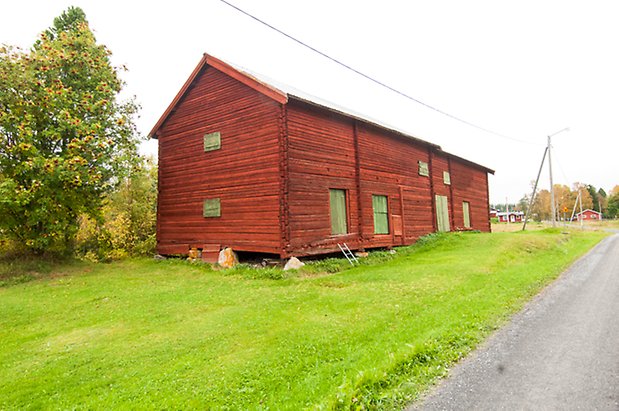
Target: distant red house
(510, 217)
(587, 215)
(247, 165)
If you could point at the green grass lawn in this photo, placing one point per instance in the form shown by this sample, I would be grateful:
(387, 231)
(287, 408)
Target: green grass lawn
(172, 335)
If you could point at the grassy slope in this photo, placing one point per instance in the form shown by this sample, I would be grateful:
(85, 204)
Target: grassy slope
(143, 333)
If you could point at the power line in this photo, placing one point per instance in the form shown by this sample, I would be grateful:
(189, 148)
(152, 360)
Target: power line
(380, 83)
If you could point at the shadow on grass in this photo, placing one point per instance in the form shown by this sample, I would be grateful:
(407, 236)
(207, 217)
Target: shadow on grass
(19, 268)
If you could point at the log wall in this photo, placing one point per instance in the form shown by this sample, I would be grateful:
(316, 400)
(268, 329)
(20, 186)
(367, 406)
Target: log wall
(328, 150)
(321, 156)
(244, 173)
(389, 166)
(440, 163)
(470, 184)
(276, 165)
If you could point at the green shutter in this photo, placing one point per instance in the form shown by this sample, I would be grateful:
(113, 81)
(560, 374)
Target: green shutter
(212, 141)
(423, 168)
(211, 208)
(339, 224)
(466, 212)
(381, 215)
(442, 213)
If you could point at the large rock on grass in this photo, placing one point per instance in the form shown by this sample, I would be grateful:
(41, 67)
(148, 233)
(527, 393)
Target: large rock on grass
(227, 258)
(293, 264)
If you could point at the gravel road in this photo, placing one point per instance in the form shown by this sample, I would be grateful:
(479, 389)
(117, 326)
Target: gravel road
(560, 353)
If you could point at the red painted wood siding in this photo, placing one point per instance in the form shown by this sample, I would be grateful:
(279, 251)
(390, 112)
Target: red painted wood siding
(276, 166)
(440, 163)
(244, 173)
(321, 157)
(470, 184)
(588, 215)
(389, 166)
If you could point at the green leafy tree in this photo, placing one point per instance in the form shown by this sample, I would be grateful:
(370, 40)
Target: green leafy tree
(136, 199)
(523, 204)
(602, 200)
(591, 189)
(65, 138)
(130, 217)
(595, 200)
(612, 209)
(68, 21)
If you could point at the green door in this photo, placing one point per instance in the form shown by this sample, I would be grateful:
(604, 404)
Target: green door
(466, 213)
(442, 213)
(339, 216)
(381, 214)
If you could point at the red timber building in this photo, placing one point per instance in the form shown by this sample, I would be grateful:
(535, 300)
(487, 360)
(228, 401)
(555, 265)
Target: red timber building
(243, 164)
(588, 214)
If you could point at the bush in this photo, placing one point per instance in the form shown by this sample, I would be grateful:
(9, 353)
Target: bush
(128, 223)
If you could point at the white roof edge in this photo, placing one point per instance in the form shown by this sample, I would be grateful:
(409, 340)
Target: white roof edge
(301, 95)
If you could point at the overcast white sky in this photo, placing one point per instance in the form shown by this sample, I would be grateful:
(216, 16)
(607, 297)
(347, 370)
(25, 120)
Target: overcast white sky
(524, 69)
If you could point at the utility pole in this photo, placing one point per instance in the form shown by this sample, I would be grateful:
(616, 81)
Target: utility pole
(539, 173)
(553, 211)
(552, 188)
(575, 204)
(580, 202)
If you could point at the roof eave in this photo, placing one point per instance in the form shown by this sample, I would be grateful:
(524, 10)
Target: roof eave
(179, 96)
(464, 160)
(283, 98)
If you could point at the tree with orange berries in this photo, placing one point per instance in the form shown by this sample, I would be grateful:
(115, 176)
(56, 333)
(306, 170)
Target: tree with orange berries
(65, 137)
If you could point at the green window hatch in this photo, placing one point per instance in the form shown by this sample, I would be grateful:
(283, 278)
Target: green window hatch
(381, 214)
